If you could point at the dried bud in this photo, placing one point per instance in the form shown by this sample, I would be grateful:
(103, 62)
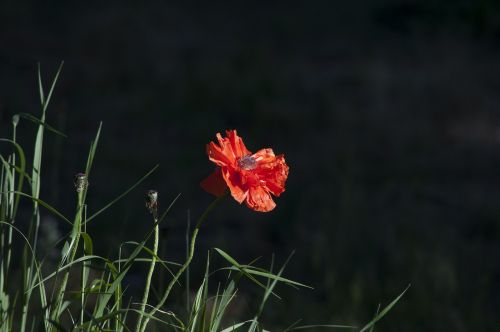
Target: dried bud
(152, 201)
(81, 182)
(15, 119)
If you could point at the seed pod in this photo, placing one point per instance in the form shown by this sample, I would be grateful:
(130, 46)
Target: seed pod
(81, 182)
(152, 201)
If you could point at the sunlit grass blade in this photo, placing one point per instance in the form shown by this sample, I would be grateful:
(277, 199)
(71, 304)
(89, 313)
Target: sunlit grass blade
(92, 151)
(236, 266)
(21, 170)
(234, 327)
(88, 249)
(259, 272)
(249, 272)
(227, 296)
(37, 269)
(45, 102)
(199, 303)
(35, 192)
(18, 169)
(118, 277)
(271, 283)
(40, 85)
(152, 254)
(384, 311)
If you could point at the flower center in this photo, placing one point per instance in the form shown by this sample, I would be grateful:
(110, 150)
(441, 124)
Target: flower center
(247, 163)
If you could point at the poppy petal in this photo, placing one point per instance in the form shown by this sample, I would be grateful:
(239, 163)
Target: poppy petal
(259, 199)
(214, 183)
(233, 181)
(272, 170)
(237, 145)
(221, 154)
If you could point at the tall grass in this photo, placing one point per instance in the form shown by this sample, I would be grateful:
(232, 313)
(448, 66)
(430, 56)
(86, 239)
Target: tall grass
(46, 302)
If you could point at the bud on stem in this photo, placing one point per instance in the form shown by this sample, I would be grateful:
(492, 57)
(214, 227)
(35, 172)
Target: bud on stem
(152, 202)
(81, 182)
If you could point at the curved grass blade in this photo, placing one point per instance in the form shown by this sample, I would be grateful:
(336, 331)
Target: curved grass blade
(250, 271)
(18, 169)
(93, 148)
(151, 253)
(122, 195)
(384, 311)
(36, 120)
(45, 205)
(67, 266)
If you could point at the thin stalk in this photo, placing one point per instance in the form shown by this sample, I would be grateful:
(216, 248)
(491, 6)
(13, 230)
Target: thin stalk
(74, 246)
(188, 229)
(186, 264)
(12, 189)
(85, 271)
(3, 272)
(150, 274)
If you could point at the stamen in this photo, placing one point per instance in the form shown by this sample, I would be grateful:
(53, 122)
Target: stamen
(247, 163)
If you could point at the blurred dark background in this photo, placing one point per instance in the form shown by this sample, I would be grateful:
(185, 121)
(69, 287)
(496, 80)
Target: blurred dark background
(387, 113)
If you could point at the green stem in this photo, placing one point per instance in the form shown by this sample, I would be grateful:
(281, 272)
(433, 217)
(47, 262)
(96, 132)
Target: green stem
(186, 264)
(84, 273)
(76, 238)
(150, 275)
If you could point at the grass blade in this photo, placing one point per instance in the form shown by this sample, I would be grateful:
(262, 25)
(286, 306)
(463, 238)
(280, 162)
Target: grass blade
(122, 195)
(384, 311)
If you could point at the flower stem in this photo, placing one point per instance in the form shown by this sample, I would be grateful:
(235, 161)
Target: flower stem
(186, 264)
(150, 275)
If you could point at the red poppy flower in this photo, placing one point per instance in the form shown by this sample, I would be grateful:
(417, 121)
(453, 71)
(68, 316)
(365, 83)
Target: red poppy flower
(250, 177)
